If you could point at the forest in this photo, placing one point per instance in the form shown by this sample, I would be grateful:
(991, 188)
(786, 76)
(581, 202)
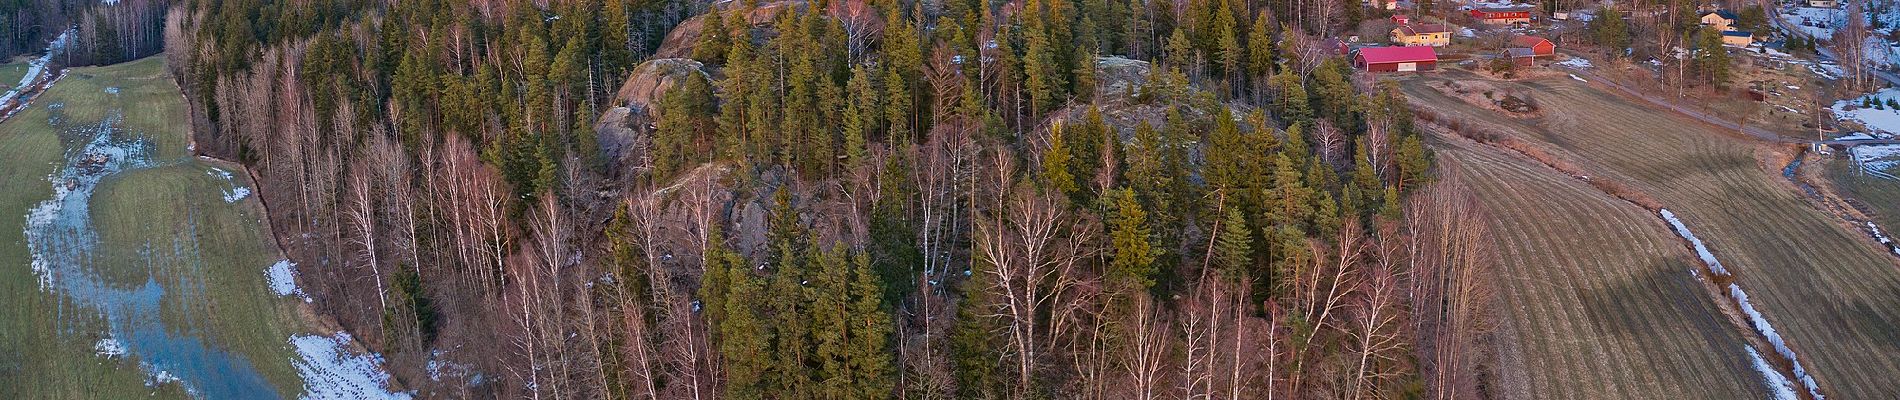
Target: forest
(839, 198)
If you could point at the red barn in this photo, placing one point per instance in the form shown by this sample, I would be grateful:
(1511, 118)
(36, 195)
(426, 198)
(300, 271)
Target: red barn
(1502, 16)
(1539, 46)
(1396, 59)
(1401, 19)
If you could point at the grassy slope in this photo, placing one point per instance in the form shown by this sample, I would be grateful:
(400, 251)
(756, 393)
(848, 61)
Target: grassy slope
(1881, 196)
(1827, 289)
(215, 283)
(1596, 298)
(11, 73)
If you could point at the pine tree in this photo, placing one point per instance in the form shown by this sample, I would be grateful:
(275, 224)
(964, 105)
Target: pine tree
(858, 118)
(1610, 31)
(1133, 266)
(743, 338)
(1055, 162)
(1234, 248)
(788, 302)
(870, 333)
(713, 41)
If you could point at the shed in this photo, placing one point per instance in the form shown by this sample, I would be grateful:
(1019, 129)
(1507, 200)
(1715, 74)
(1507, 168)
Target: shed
(1541, 47)
(1396, 59)
(1401, 19)
(1522, 57)
(1737, 38)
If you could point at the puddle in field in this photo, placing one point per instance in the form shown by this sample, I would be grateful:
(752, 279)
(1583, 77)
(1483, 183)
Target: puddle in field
(62, 242)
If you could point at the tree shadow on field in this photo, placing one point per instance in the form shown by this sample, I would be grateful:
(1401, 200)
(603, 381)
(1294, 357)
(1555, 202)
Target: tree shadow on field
(1664, 299)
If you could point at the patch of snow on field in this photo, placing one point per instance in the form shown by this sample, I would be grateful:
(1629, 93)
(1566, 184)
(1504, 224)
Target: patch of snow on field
(1827, 71)
(1702, 251)
(236, 192)
(1878, 160)
(1575, 62)
(1777, 384)
(1767, 330)
(1579, 79)
(1815, 22)
(1882, 238)
(38, 65)
(282, 277)
(1882, 119)
(109, 347)
(331, 372)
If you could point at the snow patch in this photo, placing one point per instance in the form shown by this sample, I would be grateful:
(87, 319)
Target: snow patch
(330, 371)
(235, 192)
(1574, 76)
(38, 65)
(1880, 118)
(282, 277)
(1883, 239)
(1878, 160)
(1767, 330)
(1701, 250)
(109, 347)
(1777, 384)
(1575, 63)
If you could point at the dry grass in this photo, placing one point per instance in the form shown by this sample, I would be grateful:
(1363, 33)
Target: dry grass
(1587, 283)
(1828, 290)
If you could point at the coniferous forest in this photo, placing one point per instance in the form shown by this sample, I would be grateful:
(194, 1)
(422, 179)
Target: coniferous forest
(843, 199)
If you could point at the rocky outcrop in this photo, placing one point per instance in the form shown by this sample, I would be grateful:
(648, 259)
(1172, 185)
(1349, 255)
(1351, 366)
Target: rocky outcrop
(625, 129)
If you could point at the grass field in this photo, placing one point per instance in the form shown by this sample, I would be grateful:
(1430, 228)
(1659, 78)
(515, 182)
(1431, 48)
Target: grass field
(140, 247)
(11, 73)
(1880, 196)
(1828, 290)
(1596, 296)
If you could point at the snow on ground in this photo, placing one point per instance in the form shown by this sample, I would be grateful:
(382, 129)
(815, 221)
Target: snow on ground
(236, 192)
(1700, 250)
(1755, 318)
(1777, 384)
(330, 371)
(1883, 239)
(1767, 330)
(1575, 62)
(282, 277)
(1574, 76)
(1879, 119)
(1816, 22)
(1878, 160)
(109, 347)
(1827, 70)
(38, 65)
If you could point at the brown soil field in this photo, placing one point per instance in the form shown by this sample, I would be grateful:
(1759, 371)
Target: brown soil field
(1832, 294)
(1597, 298)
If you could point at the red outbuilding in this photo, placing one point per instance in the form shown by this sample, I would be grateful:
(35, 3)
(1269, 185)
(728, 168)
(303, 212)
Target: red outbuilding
(1539, 46)
(1396, 59)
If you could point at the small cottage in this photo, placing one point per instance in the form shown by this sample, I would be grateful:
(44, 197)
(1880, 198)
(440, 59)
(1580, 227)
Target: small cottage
(1737, 38)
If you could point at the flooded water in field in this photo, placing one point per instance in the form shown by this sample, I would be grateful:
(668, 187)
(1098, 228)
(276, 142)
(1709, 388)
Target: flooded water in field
(64, 246)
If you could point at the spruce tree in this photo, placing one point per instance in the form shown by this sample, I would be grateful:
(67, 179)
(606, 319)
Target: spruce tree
(1133, 267)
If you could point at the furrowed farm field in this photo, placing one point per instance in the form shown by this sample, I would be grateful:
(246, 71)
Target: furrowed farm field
(1827, 290)
(130, 268)
(1596, 300)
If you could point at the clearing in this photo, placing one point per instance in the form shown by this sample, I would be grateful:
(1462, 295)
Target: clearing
(130, 268)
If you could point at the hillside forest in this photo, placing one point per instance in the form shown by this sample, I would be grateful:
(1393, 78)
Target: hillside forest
(842, 199)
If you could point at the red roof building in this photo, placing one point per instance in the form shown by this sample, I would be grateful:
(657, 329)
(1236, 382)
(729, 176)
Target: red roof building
(1502, 16)
(1401, 19)
(1540, 46)
(1396, 59)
